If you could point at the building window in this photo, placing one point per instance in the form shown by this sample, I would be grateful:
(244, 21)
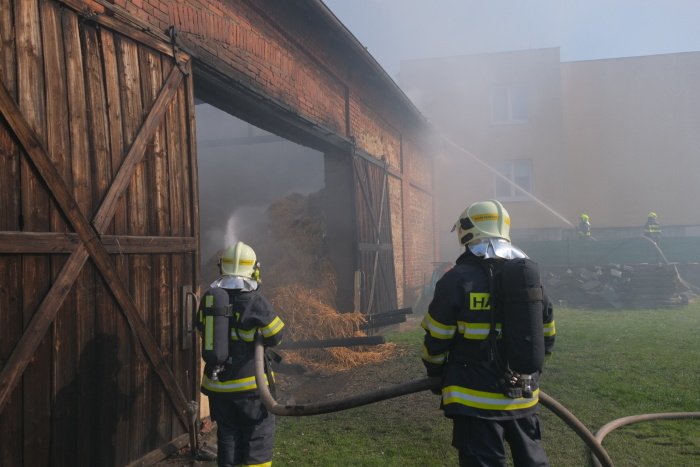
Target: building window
(518, 171)
(509, 105)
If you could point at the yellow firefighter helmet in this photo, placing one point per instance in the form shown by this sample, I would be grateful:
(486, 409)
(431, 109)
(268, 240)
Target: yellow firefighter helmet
(239, 260)
(484, 219)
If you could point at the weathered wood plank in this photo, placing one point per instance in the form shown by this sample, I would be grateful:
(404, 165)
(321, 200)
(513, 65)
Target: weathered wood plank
(116, 140)
(152, 245)
(174, 119)
(192, 357)
(182, 270)
(7, 46)
(11, 421)
(193, 188)
(111, 373)
(95, 444)
(83, 312)
(161, 416)
(174, 152)
(57, 137)
(77, 115)
(115, 425)
(138, 224)
(97, 118)
(161, 453)
(64, 350)
(64, 434)
(176, 359)
(163, 333)
(189, 168)
(57, 242)
(35, 213)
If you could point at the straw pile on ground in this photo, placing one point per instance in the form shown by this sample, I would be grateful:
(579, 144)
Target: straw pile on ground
(307, 317)
(300, 282)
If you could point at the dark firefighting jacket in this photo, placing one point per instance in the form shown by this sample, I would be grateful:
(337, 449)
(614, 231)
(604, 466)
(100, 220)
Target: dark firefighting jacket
(251, 313)
(456, 326)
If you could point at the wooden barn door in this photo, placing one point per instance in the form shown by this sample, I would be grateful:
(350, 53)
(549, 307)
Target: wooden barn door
(375, 257)
(98, 238)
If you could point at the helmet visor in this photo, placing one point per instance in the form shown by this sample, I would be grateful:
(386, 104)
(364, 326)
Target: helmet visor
(488, 248)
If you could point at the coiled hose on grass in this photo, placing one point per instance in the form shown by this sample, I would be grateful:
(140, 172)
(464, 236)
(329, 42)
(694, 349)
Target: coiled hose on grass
(401, 390)
(608, 427)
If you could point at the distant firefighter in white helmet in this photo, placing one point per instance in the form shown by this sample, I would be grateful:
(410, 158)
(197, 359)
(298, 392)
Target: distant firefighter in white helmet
(652, 228)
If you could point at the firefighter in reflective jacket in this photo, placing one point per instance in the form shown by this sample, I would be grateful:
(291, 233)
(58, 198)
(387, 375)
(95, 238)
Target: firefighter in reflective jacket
(584, 226)
(459, 325)
(245, 430)
(652, 228)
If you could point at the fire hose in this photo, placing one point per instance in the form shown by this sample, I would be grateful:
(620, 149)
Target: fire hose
(401, 390)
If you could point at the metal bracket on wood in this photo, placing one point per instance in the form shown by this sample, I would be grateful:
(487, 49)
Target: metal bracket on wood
(187, 316)
(172, 34)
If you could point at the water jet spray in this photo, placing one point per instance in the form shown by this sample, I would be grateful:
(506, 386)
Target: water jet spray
(504, 178)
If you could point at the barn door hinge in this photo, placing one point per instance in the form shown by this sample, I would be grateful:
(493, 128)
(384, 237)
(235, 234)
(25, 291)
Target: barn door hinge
(172, 34)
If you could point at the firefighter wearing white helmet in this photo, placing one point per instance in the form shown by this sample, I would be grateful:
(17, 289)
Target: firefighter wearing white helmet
(487, 330)
(484, 228)
(652, 228)
(232, 313)
(239, 268)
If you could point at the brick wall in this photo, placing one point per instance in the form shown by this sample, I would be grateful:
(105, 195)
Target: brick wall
(288, 52)
(418, 214)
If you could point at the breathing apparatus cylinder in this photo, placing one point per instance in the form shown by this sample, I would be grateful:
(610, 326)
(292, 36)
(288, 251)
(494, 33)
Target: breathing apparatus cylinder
(216, 313)
(523, 311)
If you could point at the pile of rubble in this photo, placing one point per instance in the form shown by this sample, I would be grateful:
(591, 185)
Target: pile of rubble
(617, 286)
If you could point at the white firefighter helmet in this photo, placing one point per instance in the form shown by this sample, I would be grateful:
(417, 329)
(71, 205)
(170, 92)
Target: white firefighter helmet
(484, 228)
(238, 260)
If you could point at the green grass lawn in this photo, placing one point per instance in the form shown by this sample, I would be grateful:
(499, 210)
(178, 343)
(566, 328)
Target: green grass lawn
(607, 364)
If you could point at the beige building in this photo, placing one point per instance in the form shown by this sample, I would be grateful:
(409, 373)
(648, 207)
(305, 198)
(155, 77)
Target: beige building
(614, 138)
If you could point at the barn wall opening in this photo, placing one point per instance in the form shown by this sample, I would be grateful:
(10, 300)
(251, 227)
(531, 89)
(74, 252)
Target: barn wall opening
(280, 197)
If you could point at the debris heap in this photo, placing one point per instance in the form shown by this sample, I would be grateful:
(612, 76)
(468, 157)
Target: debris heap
(618, 286)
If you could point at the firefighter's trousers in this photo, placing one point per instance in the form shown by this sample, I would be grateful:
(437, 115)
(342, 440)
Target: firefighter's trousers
(245, 431)
(481, 442)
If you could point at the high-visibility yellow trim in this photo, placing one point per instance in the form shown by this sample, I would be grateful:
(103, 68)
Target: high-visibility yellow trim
(246, 262)
(209, 333)
(550, 329)
(247, 335)
(477, 331)
(273, 328)
(486, 400)
(484, 217)
(436, 359)
(233, 385)
(209, 301)
(437, 329)
(479, 301)
(265, 464)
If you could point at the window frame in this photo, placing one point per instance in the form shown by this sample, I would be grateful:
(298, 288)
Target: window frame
(507, 168)
(513, 96)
